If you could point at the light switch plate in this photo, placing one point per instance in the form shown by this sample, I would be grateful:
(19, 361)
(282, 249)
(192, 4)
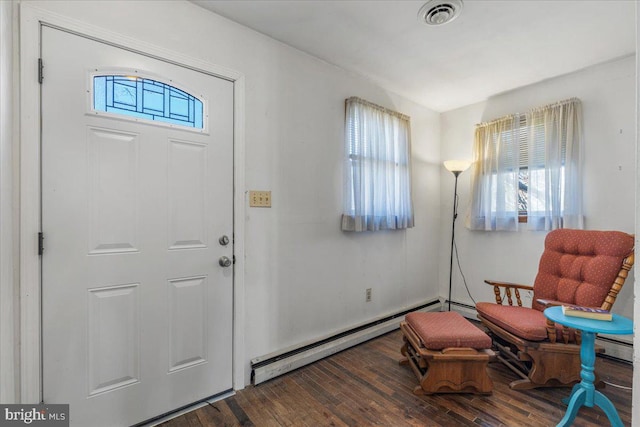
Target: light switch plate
(260, 199)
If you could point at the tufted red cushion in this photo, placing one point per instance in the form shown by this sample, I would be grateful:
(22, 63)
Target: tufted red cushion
(523, 322)
(579, 266)
(446, 329)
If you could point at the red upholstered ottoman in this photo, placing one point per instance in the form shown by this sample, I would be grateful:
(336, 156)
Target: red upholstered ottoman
(447, 353)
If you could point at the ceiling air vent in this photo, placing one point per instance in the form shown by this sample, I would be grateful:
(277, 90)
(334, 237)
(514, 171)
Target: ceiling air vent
(439, 12)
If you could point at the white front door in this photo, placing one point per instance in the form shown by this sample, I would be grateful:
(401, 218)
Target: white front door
(136, 309)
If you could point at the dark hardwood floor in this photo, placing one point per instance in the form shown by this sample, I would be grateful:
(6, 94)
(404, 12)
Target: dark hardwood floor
(365, 386)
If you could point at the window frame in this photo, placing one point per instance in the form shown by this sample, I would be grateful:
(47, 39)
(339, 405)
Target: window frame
(90, 108)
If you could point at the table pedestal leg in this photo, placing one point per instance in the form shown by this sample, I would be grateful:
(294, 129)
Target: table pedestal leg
(575, 402)
(584, 393)
(573, 390)
(603, 402)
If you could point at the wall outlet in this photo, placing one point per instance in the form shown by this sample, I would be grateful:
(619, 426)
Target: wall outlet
(260, 199)
(368, 295)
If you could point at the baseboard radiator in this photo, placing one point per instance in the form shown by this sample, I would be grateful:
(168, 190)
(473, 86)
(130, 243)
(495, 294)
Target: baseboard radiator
(614, 346)
(272, 365)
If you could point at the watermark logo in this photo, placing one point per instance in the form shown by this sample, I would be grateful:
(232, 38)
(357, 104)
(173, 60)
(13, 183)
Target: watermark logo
(34, 415)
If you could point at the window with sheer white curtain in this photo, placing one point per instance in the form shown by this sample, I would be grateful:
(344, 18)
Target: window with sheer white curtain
(377, 173)
(527, 170)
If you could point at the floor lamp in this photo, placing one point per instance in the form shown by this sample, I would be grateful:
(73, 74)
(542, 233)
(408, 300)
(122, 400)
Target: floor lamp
(456, 167)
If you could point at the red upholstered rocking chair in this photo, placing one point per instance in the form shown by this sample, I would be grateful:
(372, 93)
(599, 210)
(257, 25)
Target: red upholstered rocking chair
(578, 267)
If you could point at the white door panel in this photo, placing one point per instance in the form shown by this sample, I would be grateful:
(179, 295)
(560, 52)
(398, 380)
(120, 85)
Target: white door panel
(137, 312)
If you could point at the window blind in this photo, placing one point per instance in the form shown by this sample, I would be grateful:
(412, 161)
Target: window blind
(527, 138)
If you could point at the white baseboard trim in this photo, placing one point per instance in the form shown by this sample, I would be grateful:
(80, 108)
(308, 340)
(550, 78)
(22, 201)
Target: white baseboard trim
(466, 310)
(619, 349)
(275, 364)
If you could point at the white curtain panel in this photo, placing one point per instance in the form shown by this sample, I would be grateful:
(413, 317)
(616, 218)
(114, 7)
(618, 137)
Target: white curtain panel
(528, 165)
(494, 176)
(555, 188)
(377, 170)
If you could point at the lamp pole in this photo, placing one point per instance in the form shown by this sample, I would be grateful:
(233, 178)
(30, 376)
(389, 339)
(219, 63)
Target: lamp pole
(456, 167)
(453, 231)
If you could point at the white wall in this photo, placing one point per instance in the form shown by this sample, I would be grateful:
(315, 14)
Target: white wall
(304, 278)
(607, 92)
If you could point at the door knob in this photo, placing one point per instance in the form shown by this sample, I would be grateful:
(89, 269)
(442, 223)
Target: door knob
(224, 240)
(224, 261)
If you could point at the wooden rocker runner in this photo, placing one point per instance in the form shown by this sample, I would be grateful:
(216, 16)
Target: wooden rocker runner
(447, 353)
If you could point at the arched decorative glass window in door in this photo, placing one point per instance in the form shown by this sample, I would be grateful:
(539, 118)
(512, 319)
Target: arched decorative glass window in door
(143, 98)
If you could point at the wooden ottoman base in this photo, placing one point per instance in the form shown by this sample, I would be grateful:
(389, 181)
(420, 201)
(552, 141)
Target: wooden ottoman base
(449, 370)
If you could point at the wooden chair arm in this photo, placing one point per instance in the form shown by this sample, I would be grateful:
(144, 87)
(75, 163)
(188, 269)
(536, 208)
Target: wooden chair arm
(548, 303)
(508, 286)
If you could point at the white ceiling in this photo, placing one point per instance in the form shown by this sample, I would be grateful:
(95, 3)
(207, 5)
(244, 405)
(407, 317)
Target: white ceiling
(492, 47)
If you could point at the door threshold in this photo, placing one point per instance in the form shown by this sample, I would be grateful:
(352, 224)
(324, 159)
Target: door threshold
(183, 410)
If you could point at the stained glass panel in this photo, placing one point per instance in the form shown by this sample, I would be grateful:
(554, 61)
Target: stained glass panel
(146, 99)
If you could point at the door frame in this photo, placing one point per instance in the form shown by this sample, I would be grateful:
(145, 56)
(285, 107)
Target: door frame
(31, 21)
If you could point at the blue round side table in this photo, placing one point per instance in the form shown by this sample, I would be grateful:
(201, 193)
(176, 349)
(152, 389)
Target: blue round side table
(584, 393)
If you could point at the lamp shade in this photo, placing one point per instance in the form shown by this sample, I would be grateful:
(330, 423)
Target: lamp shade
(457, 165)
